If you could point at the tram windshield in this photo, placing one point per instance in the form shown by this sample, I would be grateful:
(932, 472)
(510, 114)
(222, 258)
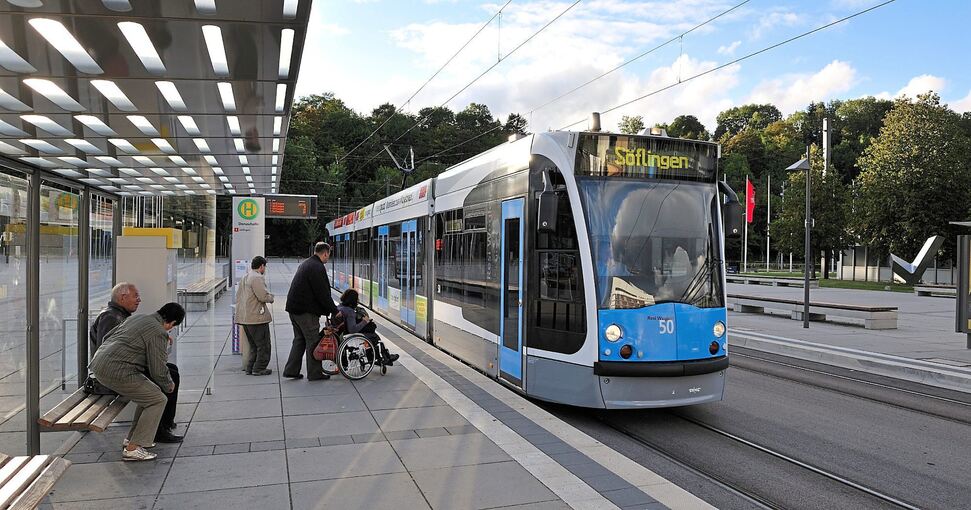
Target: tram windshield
(652, 242)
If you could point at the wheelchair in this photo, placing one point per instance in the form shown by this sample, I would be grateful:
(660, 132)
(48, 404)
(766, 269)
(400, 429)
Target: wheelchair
(357, 354)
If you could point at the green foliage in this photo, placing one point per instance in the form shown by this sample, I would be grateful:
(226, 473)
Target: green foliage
(631, 125)
(750, 116)
(915, 179)
(688, 126)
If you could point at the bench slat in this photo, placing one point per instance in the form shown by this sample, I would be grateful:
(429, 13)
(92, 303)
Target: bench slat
(51, 417)
(862, 308)
(83, 406)
(42, 485)
(92, 412)
(10, 469)
(3, 459)
(20, 481)
(108, 415)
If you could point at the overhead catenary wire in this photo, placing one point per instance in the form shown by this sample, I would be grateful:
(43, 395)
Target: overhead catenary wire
(739, 59)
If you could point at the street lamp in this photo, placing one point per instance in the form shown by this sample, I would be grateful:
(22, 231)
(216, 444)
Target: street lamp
(803, 165)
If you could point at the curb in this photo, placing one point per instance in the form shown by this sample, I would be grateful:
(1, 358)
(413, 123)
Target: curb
(918, 371)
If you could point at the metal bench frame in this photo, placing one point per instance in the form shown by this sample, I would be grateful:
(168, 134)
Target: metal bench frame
(25, 481)
(874, 317)
(775, 281)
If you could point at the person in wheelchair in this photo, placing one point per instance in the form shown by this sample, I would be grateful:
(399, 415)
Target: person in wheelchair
(354, 319)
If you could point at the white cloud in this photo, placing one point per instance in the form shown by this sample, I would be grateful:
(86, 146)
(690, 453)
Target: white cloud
(774, 19)
(330, 29)
(794, 92)
(921, 84)
(962, 105)
(729, 49)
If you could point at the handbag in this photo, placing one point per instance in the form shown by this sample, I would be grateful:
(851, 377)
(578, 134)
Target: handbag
(368, 328)
(327, 347)
(93, 387)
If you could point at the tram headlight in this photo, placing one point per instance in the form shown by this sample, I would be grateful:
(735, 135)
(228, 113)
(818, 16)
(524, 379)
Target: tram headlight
(718, 329)
(613, 333)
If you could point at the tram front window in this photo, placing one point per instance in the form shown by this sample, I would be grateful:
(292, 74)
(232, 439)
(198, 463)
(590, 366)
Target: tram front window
(652, 242)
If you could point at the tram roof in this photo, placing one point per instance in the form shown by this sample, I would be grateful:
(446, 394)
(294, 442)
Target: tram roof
(150, 97)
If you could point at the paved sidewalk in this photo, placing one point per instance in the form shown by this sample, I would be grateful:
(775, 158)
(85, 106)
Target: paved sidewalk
(432, 433)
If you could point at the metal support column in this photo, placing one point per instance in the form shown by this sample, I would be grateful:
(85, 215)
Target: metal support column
(33, 314)
(809, 226)
(116, 213)
(84, 255)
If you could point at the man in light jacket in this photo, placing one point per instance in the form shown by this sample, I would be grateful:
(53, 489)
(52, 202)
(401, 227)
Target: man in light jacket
(253, 313)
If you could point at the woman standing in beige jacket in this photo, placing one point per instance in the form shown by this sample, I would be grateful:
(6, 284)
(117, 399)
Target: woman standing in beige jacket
(253, 313)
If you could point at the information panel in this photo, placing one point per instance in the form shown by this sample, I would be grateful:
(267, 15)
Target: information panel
(291, 206)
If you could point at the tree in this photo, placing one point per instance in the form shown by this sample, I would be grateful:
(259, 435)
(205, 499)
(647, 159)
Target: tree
(858, 122)
(688, 126)
(515, 123)
(631, 125)
(735, 120)
(915, 178)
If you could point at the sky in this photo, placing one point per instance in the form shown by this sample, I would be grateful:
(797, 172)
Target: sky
(371, 52)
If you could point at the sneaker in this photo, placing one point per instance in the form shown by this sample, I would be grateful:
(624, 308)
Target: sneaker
(138, 454)
(294, 376)
(167, 437)
(125, 443)
(265, 371)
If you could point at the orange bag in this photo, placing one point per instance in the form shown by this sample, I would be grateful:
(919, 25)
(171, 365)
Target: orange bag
(327, 348)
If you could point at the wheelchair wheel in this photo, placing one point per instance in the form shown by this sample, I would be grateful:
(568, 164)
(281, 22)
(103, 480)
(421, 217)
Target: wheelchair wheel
(356, 356)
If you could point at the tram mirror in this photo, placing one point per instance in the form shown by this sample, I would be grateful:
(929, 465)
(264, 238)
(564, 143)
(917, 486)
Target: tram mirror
(732, 219)
(547, 211)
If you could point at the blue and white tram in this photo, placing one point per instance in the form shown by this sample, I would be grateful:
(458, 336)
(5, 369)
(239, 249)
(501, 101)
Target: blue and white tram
(585, 268)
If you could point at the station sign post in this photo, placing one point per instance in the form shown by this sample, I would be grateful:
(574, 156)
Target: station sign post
(962, 313)
(249, 230)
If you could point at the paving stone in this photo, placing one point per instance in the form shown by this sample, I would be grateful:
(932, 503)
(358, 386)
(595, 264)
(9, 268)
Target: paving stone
(83, 458)
(248, 498)
(254, 391)
(481, 486)
(418, 418)
(194, 451)
(333, 424)
(234, 431)
(374, 492)
(399, 399)
(335, 440)
(628, 497)
(432, 432)
(138, 503)
(222, 449)
(607, 482)
(367, 438)
(234, 410)
(342, 461)
(320, 404)
(303, 442)
(400, 434)
(446, 451)
(267, 445)
(192, 474)
(462, 429)
(127, 479)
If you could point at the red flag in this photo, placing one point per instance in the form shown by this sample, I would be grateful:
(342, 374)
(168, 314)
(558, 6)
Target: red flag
(749, 200)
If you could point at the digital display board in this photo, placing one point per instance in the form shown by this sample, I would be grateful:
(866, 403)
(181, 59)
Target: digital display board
(291, 206)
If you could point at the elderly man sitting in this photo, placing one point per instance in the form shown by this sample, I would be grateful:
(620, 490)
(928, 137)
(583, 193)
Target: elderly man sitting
(131, 361)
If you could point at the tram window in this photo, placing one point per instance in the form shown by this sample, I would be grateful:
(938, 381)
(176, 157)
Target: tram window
(465, 274)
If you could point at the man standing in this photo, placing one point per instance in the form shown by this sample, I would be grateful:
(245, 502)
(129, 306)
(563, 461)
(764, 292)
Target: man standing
(131, 361)
(124, 302)
(308, 299)
(253, 313)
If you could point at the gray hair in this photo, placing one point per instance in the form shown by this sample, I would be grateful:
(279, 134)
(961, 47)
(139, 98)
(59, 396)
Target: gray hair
(122, 289)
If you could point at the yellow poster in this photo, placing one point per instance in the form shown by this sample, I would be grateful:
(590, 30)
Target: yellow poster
(421, 308)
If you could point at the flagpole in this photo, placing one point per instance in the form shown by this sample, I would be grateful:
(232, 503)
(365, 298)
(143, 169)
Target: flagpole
(747, 219)
(768, 217)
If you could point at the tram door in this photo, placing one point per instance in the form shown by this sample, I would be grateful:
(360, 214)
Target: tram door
(382, 272)
(408, 259)
(511, 293)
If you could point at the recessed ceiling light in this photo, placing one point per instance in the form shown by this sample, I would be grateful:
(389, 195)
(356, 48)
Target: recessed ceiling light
(277, 125)
(281, 96)
(93, 182)
(290, 8)
(108, 160)
(178, 160)
(211, 160)
(84, 145)
(217, 52)
(274, 159)
(276, 145)
(98, 171)
(190, 192)
(118, 180)
(157, 186)
(217, 170)
(190, 125)
(226, 93)
(272, 178)
(10, 130)
(8, 102)
(42, 146)
(286, 51)
(71, 160)
(114, 94)
(129, 171)
(249, 178)
(171, 95)
(144, 160)
(144, 49)
(168, 192)
(39, 162)
(11, 61)
(47, 125)
(95, 124)
(163, 145)
(123, 145)
(189, 170)
(196, 178)
(132, 187)
(240, 145)
(201, 144)
(223, 178)
(146, 193)
(243, 160)
(145, 180)
(211, 192)
(10, 150)
(160, 171)
(206, 186)
(62, 40)
(55, 94)
(273, 170)
(172, 179)
(117, 5)
(182, 186)
(143, 125)
(246, 170)
(234, 125)
(207, 7)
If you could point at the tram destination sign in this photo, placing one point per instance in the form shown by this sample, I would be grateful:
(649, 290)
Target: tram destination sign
(302, 207)
(646, 157)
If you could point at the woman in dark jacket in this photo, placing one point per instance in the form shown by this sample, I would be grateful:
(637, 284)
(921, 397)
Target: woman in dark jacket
(362, 324)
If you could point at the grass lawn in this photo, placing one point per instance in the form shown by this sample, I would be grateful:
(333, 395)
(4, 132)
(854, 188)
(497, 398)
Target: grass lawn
(833, 283)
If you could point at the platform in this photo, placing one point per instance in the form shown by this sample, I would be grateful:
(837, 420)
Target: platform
(432, 433)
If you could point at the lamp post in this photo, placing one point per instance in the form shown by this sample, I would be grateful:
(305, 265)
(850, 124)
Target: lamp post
(803, 164)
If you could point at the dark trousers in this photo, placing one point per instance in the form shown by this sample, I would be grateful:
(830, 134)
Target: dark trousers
(306, 331)
(168, 415)
(258, 337)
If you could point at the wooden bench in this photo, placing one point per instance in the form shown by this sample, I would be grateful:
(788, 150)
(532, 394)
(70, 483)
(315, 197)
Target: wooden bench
(198, 296)
(81, 411)
(25, 481)
(874, 317)
(775, 281)
(935, 290)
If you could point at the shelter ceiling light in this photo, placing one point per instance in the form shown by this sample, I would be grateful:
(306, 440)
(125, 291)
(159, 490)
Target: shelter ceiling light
(98, 171)
(142, 45)
(8, 102)
(226, 93)
(47, 124)
(246, 170)
(123, 145)
(72, 160)
(55, 94)
(190, 192)
(243, 160)
(93, 182)
(240, 145)
(145, 180)
(223, 178)
(95, 124)
(168, 192)
(117, 5)
(118, 180)
(129, 171)
(114, 94)
(211, 160)
(189, 170)
(171, 95)
(286, 52)
(217, 170)
(182, 186)
(201, 144)
(144, 160)
(171, 179)
(157, 186)
(190, 125)
(277, 125)
(234, 128)
(160, 171)
(273, 178)
(10, 150)
(249, 178)
(11, 61)
(196, 178)
(217, 52)
(143, 125)
(290, 8)
(276, 145)
(206, 7)
(42, 146)
(274, 159)
(178, 160)
(84, 145)
(65, 43)
(205, 186)
(39, 162)
(273, 170)
(108, 160)
(163, 145)
(281, 96)
(11, 130)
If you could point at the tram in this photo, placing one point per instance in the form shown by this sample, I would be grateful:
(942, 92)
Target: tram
(584, 268)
